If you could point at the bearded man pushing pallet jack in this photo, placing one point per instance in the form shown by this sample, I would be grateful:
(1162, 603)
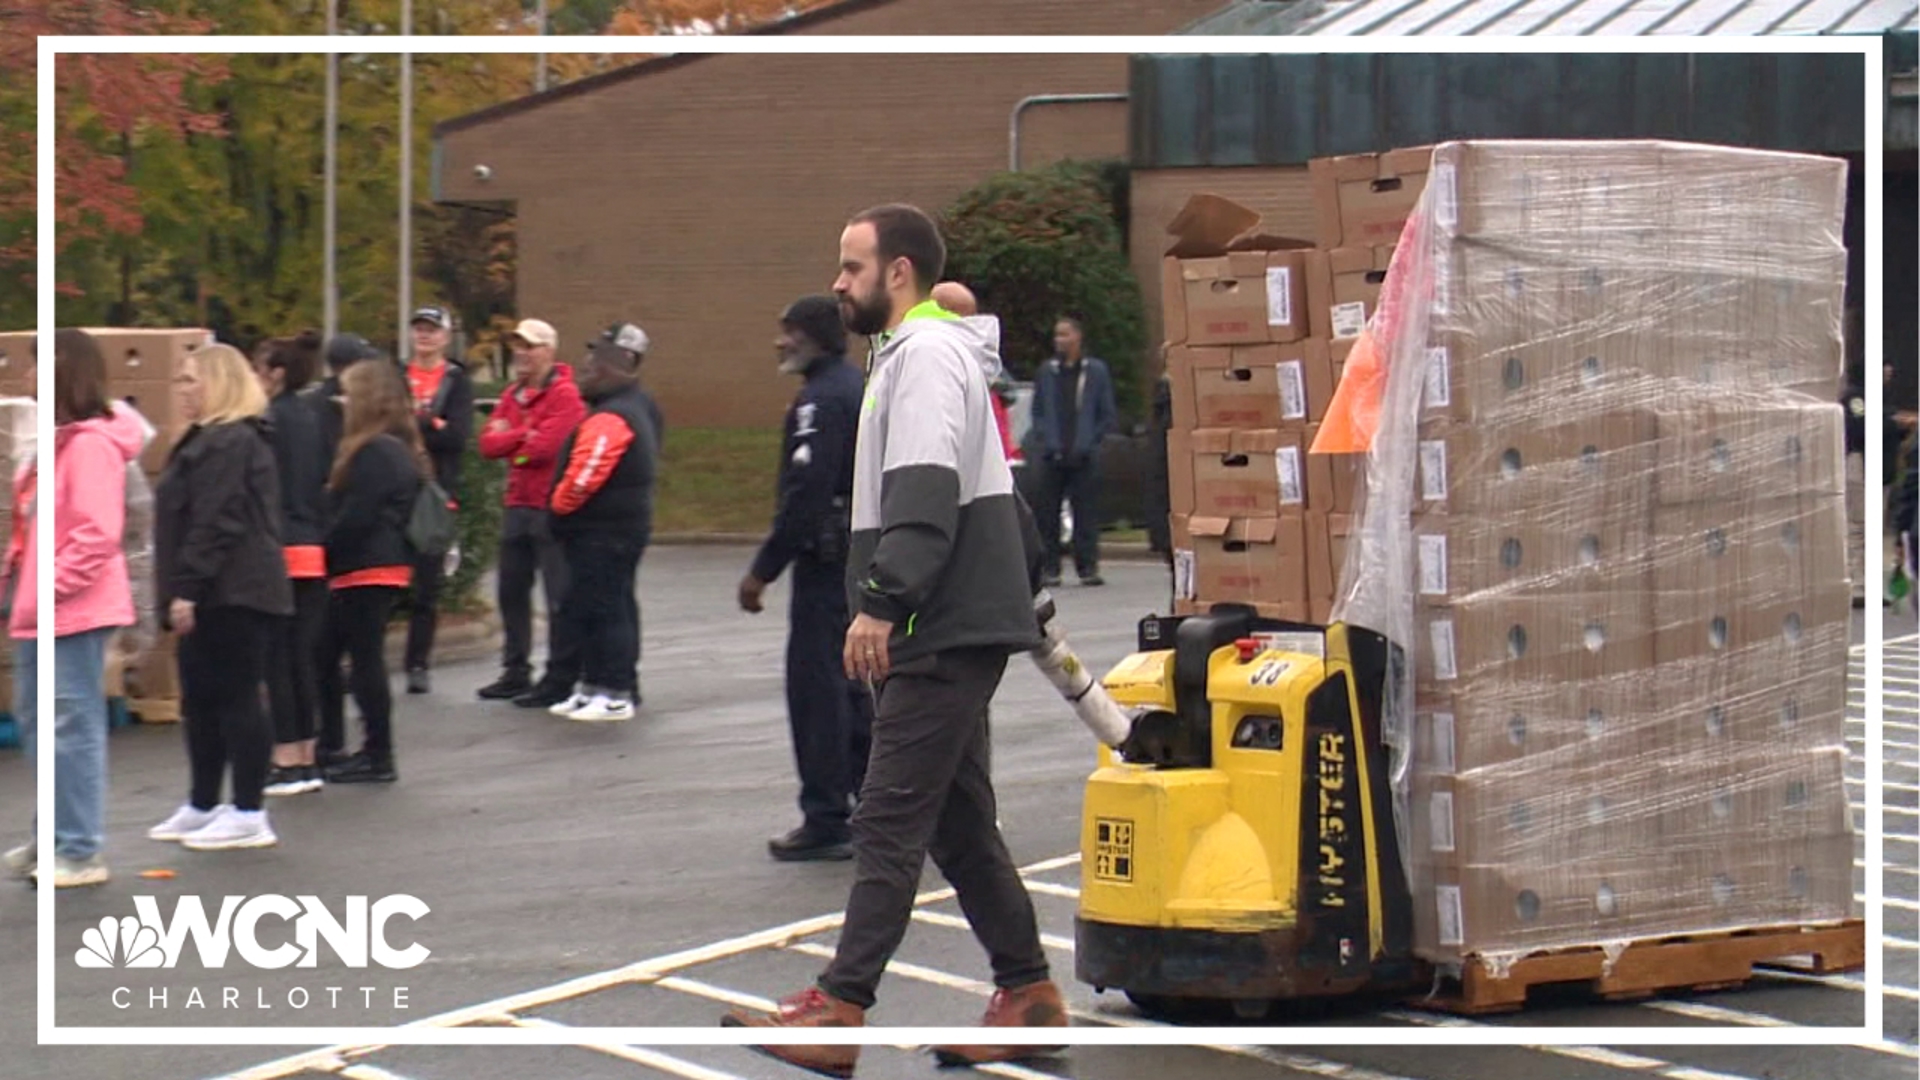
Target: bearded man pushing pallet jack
(940, 580)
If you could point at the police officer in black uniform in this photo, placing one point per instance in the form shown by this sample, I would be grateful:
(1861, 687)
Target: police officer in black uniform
(831, 715)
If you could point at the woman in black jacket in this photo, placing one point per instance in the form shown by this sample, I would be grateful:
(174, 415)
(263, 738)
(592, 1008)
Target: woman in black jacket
(376, 475)
(222, 585)
(285, 367)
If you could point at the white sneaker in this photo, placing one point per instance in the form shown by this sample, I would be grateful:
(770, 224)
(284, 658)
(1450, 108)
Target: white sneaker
(77, 873)
(185, 820)
(572, 705)
(21, 861)
(231, 830)
(602, 709)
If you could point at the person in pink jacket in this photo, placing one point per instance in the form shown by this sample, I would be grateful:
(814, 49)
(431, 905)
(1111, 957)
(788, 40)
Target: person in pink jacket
(92, 597)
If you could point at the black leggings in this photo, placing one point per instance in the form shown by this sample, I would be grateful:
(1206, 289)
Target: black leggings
(357, 630)
(221, 664)
(295, 651)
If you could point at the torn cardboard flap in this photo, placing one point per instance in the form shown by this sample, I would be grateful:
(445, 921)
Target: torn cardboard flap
(1253, 530)
(1210, 225)
(1226, 442)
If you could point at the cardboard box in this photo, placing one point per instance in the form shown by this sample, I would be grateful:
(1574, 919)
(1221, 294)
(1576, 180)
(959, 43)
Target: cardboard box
(1558, 549)
(1180, 493)
(1789, 634)
(1754, 794)
(150, 356)
(1507, 908)
(1602, 463)
(1327, 538)
(1247, 473)
(1537, 726)
(1757, 548)
(1343, 289)
(1716, 705)
(1250, 386)
(158, 674)
(1496, 640)
(1284, 612)
(16, 361)
(1537, 812)
(1336, 483)
(1247, 560)
(1365, 199)
(1754, 883)
(1721, 451)
(1226, 282)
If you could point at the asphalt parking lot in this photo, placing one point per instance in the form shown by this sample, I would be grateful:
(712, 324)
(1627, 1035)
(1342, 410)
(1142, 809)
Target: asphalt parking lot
(551, 853)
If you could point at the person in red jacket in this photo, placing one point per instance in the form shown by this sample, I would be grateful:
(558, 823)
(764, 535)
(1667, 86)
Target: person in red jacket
(537, 412)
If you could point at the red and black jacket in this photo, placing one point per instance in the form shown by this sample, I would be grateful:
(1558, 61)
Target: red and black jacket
(604, 483)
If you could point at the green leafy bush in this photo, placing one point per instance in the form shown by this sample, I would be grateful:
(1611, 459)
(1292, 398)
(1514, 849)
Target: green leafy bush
(482, 487)
(1036, 245)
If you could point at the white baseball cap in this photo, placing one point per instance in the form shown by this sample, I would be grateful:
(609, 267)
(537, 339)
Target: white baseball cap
(536, 332)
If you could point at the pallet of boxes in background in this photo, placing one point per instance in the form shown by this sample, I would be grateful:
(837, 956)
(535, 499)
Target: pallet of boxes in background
(1622, 561)
(141, 364)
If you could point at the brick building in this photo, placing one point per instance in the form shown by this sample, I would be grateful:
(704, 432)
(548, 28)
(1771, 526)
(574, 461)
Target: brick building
(700, 194)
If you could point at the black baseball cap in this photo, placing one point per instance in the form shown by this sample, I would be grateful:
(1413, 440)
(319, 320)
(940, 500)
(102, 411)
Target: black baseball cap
(438, 316)
(346, 349)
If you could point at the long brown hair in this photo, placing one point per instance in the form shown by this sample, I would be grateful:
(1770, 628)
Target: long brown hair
(79, 377)
(378, 403)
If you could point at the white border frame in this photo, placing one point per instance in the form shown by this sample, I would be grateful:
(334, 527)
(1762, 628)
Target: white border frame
(419, 1034)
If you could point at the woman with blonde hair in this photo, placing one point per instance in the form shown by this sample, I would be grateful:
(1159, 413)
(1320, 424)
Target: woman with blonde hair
(223, 587)
(377, 473)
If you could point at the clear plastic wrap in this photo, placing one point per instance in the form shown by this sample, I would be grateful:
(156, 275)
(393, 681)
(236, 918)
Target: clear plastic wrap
(1604, 513)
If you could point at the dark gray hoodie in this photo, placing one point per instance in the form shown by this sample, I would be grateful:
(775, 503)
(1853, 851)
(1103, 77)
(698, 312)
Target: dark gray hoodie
(936, 547)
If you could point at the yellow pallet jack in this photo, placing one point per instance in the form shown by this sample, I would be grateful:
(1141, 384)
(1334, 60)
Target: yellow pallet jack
(1239, 846)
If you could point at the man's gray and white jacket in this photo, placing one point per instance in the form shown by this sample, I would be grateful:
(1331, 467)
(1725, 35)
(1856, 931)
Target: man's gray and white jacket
(936, 547)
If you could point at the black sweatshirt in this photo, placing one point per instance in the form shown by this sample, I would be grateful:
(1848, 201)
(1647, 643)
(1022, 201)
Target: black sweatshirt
(217, 522)
(368, 521)
(300, 450)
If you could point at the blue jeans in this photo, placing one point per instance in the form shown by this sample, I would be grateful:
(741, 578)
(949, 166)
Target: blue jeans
(79, 736)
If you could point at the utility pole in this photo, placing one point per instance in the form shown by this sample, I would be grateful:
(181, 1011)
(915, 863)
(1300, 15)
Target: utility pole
(330, 286)
(401, 349)
(540, 59)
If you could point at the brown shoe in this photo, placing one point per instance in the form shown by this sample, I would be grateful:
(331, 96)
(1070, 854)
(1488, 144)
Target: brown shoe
(809, 1008)
(1038, 1005)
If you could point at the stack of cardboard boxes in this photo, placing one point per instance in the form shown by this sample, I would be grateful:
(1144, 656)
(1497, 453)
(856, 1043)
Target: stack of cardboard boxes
(1631, 602)
(16, 441)
(141, 365)
(1258, 327)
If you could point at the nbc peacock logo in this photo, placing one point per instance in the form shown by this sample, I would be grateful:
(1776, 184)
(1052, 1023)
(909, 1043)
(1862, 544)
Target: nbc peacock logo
(120, 943)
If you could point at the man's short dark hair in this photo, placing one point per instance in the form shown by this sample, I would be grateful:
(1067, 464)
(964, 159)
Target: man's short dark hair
(906, 232)
(1073, 318)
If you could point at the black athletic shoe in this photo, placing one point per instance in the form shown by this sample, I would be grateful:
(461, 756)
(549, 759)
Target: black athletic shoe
(361, 769)
(1092, 580)
(505, 688)
(543, 696)
(806, 845)
(418, 682)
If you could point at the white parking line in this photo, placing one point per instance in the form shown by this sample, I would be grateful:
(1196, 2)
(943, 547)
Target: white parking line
(1593, 1055)
(1717, 1014)
(1891, 901)
(652, 1059)
(955, 922)
(368, 1072)
(1048, 888)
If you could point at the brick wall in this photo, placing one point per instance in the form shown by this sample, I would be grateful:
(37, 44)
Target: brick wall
(702, 198)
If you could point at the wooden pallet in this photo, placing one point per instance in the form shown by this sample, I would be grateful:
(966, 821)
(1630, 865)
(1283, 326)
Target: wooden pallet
(155, 710)
(1693, 963)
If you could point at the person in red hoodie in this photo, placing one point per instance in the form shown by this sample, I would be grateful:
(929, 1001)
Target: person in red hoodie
(537, 411)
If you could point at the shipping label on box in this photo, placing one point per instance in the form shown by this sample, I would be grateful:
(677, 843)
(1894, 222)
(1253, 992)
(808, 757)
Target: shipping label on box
(1365, 199)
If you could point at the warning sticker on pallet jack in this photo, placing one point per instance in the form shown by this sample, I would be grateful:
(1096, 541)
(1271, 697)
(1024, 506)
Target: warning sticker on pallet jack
(1113, 850)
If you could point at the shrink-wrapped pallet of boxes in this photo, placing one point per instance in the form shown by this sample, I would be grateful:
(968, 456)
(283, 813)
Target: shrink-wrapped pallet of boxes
(1604, 512)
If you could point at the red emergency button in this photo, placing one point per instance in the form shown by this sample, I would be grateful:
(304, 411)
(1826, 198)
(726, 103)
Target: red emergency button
(1249, 648)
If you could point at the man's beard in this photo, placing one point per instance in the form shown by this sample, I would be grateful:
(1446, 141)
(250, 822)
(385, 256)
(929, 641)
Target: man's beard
(868, 317)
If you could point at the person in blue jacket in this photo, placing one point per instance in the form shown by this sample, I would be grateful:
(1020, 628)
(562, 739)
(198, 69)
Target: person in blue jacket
(831, 715)
(1073, 411)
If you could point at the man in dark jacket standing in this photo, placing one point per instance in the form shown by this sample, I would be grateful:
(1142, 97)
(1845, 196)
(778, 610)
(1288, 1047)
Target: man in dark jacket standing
(537, 412)
(937, 573)
(1073, 408)
(342, 352)
(830, 714)
(602, 507)
(443, 406)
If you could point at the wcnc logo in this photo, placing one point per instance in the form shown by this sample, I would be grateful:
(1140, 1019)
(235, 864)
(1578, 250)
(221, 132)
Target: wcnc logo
(357, 937)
